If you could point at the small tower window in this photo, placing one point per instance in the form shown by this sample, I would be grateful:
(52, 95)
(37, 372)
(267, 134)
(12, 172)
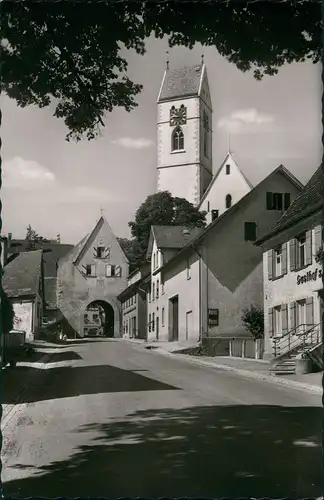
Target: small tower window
(228, 201)
(177, 139)
(228, 169)
(206, 129)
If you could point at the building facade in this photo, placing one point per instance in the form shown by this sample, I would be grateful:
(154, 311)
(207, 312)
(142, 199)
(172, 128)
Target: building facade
(220, 274)
(293, 272)
(94, 272)
(133, 305)
(23, 282)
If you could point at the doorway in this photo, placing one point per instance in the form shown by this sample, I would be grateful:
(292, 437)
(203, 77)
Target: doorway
(188, 325)
(98, 320)
(174, 318)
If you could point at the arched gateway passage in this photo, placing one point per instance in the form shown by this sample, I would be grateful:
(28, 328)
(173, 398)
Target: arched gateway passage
(99, 320)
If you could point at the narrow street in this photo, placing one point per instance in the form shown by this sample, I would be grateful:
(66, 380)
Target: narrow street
(109, 418)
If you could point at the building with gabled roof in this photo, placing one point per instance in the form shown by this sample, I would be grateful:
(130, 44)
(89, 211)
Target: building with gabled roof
(91, 276)
(293, 276)
(210, 281)
(23, 283)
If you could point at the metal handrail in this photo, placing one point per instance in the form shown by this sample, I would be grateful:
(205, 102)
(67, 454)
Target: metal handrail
(289, 342)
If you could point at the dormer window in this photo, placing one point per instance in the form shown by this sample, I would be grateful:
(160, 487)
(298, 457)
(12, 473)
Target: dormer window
(177, 139)
(100, 252)
(228, 201)
(228, 169)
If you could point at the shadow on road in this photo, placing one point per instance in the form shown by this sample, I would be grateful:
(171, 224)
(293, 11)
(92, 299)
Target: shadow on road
(225, 451)
(66, 382)
(36, 356)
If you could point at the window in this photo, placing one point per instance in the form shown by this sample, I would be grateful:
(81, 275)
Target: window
(90, 270)
(153, 291)
(162, 316)
(228, 169)
(162, 286)
(149, 325)
(95, 318)
(250, 230)
(157, 289)
(228, 201)
(278, 261)
(177, 139)
(100, 252)
(214, 214)
(134, 299)
(113, 271)
(213, 317)
(208, 206)
(301, 251)
(277, 201)
(188, 270)
(153, 321)
(154, 261)
(149, 296)
(301, 316)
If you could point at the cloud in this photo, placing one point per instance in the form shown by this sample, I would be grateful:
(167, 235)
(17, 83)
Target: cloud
(244, 120)
(129, 143)
(26, 174)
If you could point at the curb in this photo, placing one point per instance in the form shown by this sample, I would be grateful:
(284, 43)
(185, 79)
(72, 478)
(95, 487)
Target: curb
(5, 419)
(245, 373)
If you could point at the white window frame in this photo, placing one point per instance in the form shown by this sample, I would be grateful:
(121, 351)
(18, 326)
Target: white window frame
(278, 257)
(301, 250)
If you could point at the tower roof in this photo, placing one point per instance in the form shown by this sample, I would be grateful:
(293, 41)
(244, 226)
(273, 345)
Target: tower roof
(182, 82)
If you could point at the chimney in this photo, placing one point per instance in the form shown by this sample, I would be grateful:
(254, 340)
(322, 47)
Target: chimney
(58, 238)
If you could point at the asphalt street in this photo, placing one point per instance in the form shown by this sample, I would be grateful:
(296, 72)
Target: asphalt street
(109, 418)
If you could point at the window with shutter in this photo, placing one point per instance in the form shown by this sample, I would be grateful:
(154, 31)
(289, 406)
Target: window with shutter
(277, 201)
(286, 201)
(317, 238)
(309, 312)
(301, 250)
(270, 265)
(284, 312)
(292, 254)
(284, 259)
(110, 271)
(269, 201)
(292, 316)
(250, 230)
(270, 321)
(308, 248)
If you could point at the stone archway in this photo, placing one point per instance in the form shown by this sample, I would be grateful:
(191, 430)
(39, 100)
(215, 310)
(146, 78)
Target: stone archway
(99, 319)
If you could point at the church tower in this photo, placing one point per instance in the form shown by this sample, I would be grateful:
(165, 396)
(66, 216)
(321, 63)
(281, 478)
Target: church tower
(184, 133)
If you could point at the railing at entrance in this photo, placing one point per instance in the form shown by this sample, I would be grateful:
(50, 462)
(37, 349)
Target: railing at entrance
(302, 337)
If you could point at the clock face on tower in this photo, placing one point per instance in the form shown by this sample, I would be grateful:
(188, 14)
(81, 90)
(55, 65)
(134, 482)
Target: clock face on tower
(178, 116)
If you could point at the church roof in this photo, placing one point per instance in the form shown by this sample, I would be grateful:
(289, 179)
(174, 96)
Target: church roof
(182, 82)
(310, 200)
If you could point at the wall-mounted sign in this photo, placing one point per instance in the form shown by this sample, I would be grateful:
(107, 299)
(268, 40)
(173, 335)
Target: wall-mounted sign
(213, 317)
(309, 276)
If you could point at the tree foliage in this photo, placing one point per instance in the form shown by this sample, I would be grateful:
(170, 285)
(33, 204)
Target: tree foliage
(253, 321)
(51, 56)
(161, 209)
(31, 235)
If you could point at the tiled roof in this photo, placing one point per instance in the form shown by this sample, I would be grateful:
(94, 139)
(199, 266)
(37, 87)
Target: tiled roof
(175, 236)
(52, 253)
(21, 275)
(50, 292)
(181, 82)
(245, 199)
(131, 289)
(309, 200)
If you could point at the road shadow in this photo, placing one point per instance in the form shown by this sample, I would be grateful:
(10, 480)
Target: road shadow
(67, 382)
(215, 452)
(36, 356)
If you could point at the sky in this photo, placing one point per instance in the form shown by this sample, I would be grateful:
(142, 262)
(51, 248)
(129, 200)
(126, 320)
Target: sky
(60, 187)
